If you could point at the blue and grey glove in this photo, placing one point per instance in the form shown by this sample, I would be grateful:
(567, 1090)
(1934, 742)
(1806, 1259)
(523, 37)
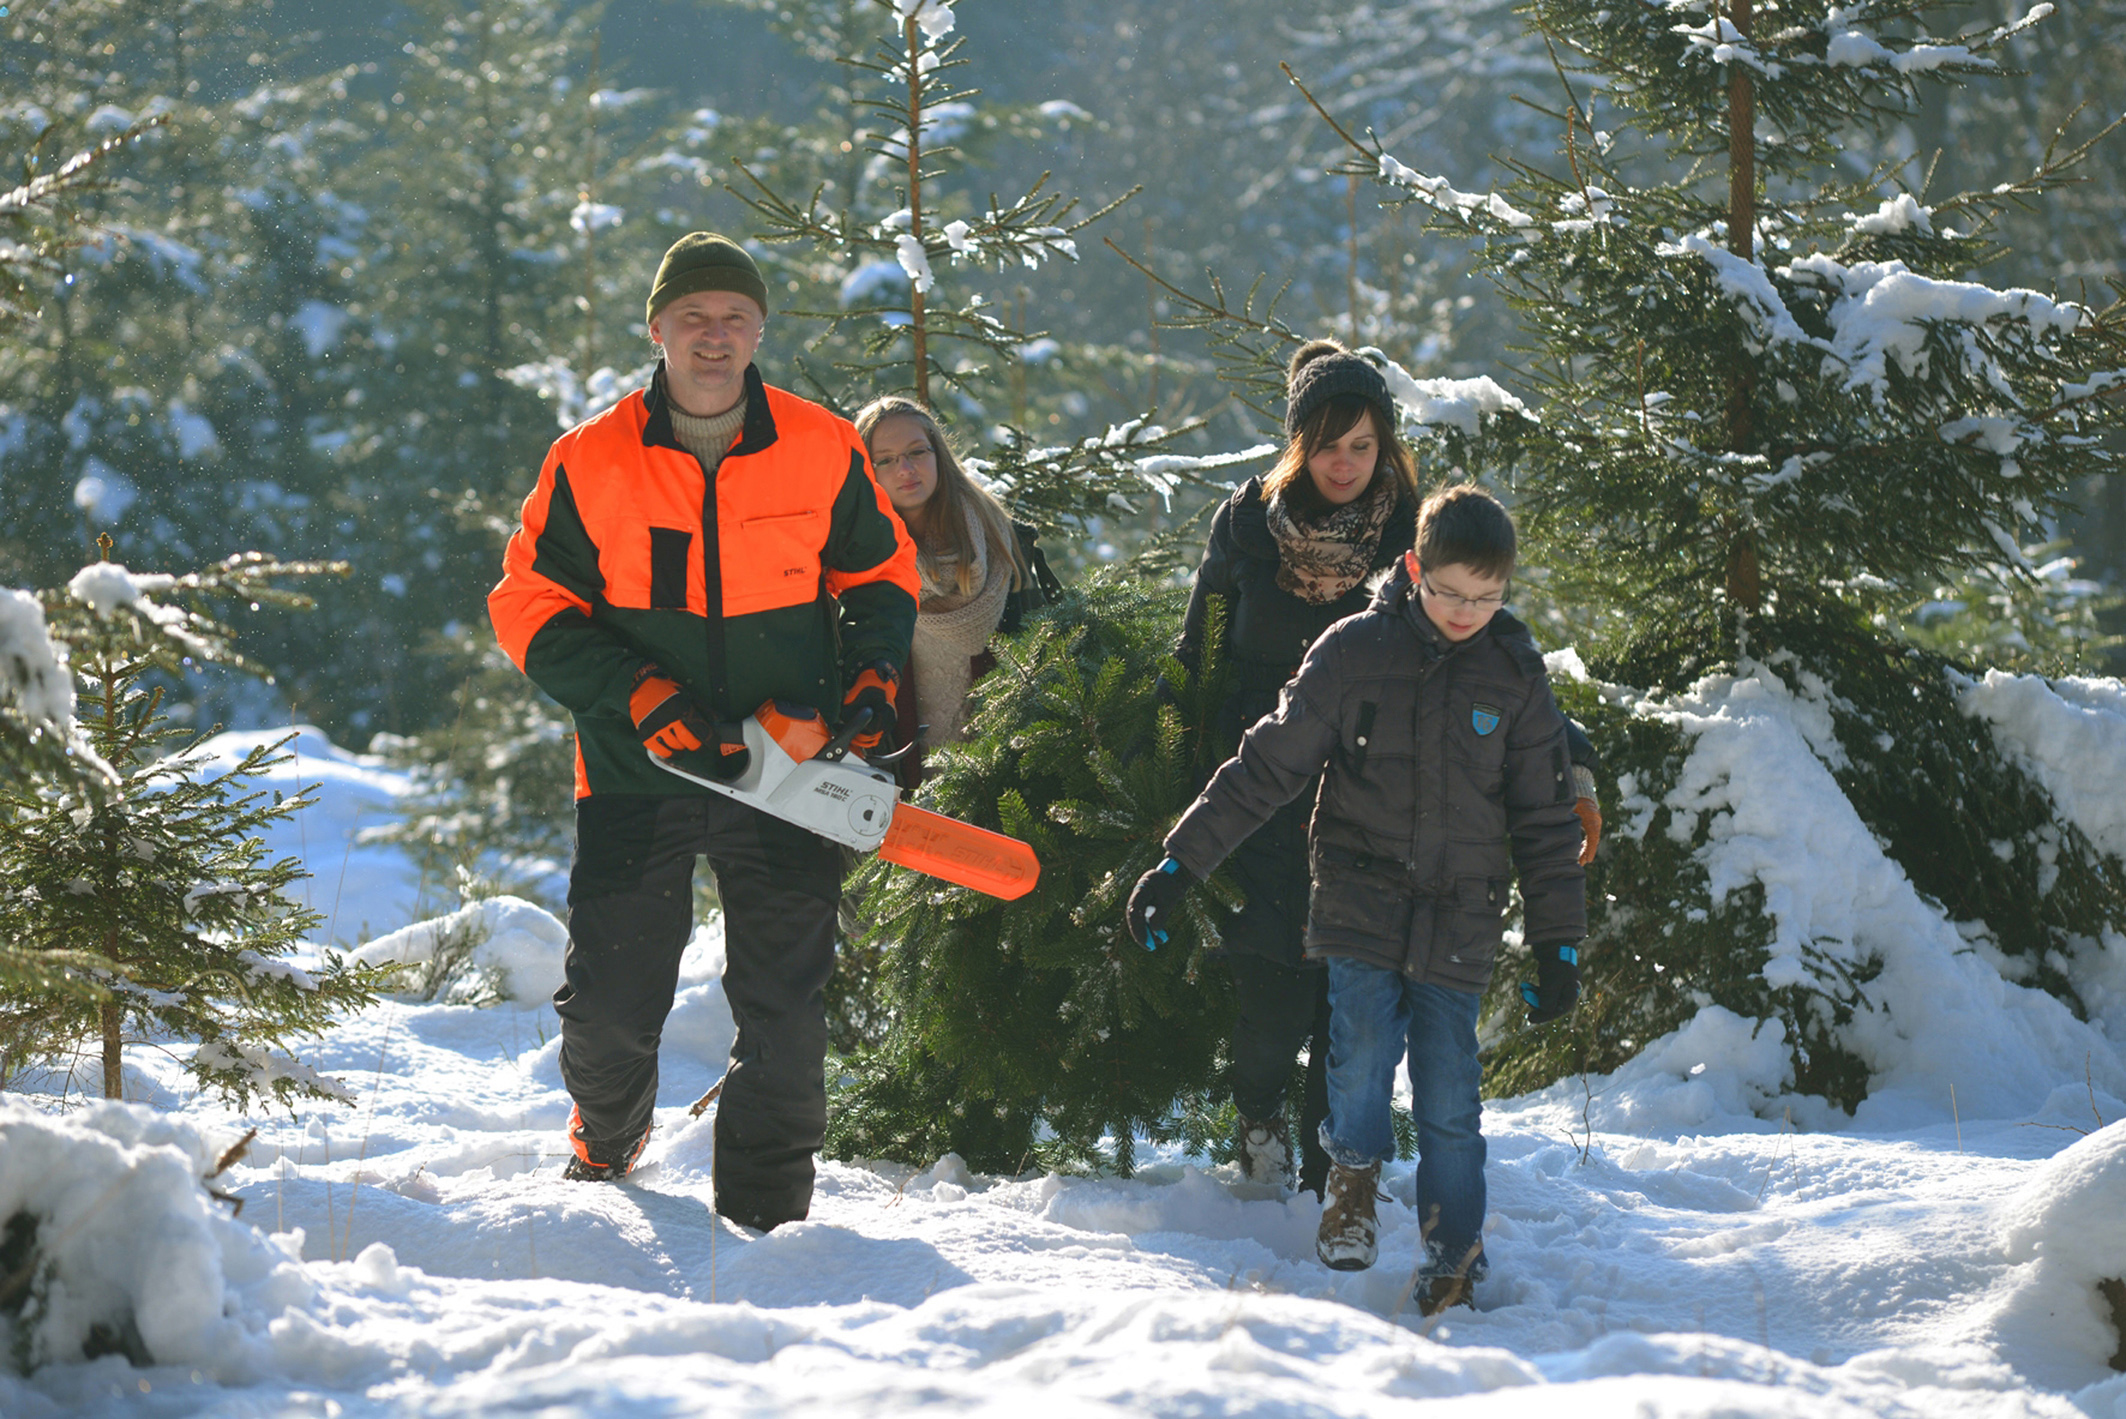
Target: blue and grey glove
(1153, 902)
(1557, 987)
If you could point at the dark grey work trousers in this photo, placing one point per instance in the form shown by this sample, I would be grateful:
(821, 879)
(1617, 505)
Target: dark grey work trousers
(630, 897)
(1281, 999)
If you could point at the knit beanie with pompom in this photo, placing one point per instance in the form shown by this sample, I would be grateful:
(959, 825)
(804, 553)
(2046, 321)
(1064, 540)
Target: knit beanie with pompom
(1322, 370)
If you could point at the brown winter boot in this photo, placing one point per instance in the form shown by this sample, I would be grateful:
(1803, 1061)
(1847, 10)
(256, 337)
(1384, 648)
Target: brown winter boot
(1349, 1239)
(1441, 1292)
(1263, 1148)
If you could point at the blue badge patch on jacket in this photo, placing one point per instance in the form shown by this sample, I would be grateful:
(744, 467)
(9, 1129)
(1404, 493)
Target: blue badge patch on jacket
(1484, 718)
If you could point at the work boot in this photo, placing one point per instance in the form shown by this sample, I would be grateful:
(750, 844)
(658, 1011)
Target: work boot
(1442, 1292)
(1349, 1239)
(1263, 1148)
(588, 1165)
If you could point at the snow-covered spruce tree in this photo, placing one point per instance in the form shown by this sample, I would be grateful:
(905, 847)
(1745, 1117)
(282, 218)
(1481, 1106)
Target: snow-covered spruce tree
(1008, 1016)
(1779, 412)
(894, 251)
(893, 222)
(42, 220)
(156, 880)
(40, 743)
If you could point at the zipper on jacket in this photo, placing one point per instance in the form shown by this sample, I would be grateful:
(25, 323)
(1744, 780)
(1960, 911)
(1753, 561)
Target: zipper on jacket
(1367, 709)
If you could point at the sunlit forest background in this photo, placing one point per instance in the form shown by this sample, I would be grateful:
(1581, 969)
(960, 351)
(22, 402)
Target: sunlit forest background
(338, 300)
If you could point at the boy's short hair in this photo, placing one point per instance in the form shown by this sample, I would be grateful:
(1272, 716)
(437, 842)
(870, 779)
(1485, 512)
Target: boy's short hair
(1461, 524)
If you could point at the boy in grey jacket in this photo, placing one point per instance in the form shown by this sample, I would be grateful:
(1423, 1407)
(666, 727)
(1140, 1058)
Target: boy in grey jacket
(1445, 775)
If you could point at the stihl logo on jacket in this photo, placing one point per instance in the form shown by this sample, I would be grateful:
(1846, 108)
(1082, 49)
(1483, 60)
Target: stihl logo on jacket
(771, 581)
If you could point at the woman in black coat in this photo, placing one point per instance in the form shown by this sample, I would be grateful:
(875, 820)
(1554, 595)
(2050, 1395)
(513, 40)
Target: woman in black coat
(1293, 552)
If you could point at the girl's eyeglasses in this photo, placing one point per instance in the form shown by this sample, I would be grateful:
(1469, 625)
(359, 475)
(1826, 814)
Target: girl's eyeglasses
(922, 453)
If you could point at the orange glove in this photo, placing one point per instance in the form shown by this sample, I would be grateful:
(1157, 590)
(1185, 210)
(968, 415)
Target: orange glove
(1590, 813)
(873, 689)
(673, 728)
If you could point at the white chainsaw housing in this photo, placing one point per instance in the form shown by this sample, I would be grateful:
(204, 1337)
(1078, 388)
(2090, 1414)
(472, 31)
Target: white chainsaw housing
(844, 800)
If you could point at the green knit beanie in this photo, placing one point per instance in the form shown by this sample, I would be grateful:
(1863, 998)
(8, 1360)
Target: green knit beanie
(704, 261)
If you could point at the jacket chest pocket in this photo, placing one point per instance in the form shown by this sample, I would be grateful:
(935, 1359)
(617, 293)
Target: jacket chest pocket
(1476, 735)
(669, 554)
(772, 559)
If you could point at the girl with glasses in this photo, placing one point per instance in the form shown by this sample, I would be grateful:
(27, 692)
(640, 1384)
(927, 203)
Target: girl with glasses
(980, 571)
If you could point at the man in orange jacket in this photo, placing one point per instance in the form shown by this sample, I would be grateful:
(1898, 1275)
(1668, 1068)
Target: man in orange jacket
(707, 544)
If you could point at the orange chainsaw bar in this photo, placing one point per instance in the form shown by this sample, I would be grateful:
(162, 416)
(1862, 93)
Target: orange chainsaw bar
(960, 853)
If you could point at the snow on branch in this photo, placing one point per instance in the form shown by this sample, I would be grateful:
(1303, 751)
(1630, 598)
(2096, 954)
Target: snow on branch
(34, 681)
(1895, 216)
(1719, 40)
(933, 17)
(260, 1071)
(1883, 310)
(1849, 46)
(1164, 465)
(1745, 283)
(1461, 404)
(1441, 194)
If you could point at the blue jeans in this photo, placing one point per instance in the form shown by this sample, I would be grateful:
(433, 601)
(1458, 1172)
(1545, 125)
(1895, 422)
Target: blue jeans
(1374, 1016)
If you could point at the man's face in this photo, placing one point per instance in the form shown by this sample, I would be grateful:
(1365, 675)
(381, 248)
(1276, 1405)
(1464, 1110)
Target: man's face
(709, 338)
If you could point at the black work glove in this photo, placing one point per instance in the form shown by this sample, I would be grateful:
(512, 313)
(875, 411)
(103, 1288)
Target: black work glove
(673, 728)
(873, 689)
(1153, 902)
(1557, 987)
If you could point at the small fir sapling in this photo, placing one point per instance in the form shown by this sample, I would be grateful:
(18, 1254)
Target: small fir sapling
(156, 874)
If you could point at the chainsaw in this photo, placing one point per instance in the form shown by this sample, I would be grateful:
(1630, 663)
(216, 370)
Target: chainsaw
(803, 773)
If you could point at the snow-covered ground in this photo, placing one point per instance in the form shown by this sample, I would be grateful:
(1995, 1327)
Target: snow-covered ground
(1663, 1242)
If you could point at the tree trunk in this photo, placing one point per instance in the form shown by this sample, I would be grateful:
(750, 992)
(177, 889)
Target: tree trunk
(1741, 145)
(1745, 588)
(113, 1052)
(589, 191)
(915, 207)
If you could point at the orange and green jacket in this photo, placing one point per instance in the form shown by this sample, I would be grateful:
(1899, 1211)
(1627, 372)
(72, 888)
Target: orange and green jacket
(777, 582)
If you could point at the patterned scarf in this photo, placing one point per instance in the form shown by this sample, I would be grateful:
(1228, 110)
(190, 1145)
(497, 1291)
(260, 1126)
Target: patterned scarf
(1322, 556)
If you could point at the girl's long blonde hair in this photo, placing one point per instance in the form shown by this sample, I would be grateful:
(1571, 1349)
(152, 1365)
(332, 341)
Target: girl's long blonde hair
(939, 526)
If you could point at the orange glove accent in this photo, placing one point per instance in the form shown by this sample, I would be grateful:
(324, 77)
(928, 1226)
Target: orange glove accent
(673, 728)
(873, 689)
(662, 714)
(1590, 825)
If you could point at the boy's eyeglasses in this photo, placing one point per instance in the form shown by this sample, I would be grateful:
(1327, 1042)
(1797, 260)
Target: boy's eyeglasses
(1470, 603)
